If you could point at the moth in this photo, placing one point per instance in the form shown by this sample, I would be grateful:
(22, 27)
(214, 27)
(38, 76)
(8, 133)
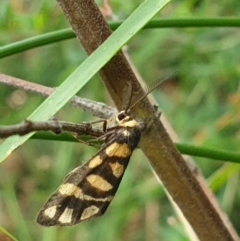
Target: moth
(87, 191)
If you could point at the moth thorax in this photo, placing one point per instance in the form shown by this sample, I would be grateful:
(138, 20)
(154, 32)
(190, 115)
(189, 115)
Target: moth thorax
(125, 120)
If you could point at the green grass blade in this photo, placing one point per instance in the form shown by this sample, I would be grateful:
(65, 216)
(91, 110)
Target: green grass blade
(220, 177)
(14, 211)
(4, 231)
(87, 69)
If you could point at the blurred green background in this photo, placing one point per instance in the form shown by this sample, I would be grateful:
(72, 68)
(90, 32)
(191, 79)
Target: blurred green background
(201, 101)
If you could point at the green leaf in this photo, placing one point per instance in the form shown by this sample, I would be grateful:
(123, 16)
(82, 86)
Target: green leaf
(87, 69)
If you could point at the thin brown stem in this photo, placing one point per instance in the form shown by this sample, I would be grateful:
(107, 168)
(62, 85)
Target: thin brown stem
(97, 109)
(91, 30)
(52, 125)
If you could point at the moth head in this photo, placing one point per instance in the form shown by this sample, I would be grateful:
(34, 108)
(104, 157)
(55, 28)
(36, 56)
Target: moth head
(124, 119)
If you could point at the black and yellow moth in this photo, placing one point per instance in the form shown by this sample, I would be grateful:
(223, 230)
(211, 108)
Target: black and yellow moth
(88, 190)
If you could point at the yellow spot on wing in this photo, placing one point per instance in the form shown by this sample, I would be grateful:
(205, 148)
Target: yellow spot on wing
(70, 189)
(98, 182)
(89, 212)
(117, 169)
(118, 150)
(96, 161)
(51, 211)
(66, 216)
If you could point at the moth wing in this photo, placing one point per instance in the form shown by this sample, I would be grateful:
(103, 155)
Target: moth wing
(87, 190)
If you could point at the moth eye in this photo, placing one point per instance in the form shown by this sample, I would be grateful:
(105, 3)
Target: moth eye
(121, 115)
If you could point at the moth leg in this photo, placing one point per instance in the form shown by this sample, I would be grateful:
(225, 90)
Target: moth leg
(103, 121)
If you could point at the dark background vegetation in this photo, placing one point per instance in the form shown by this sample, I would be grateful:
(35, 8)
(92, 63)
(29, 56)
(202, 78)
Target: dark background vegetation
(202, 103)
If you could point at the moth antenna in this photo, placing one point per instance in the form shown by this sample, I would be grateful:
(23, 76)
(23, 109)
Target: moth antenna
(149, 89)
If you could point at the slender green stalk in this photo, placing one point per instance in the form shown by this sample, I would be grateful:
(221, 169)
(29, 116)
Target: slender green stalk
(208, 153)
(36, 41)
(65, 34)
